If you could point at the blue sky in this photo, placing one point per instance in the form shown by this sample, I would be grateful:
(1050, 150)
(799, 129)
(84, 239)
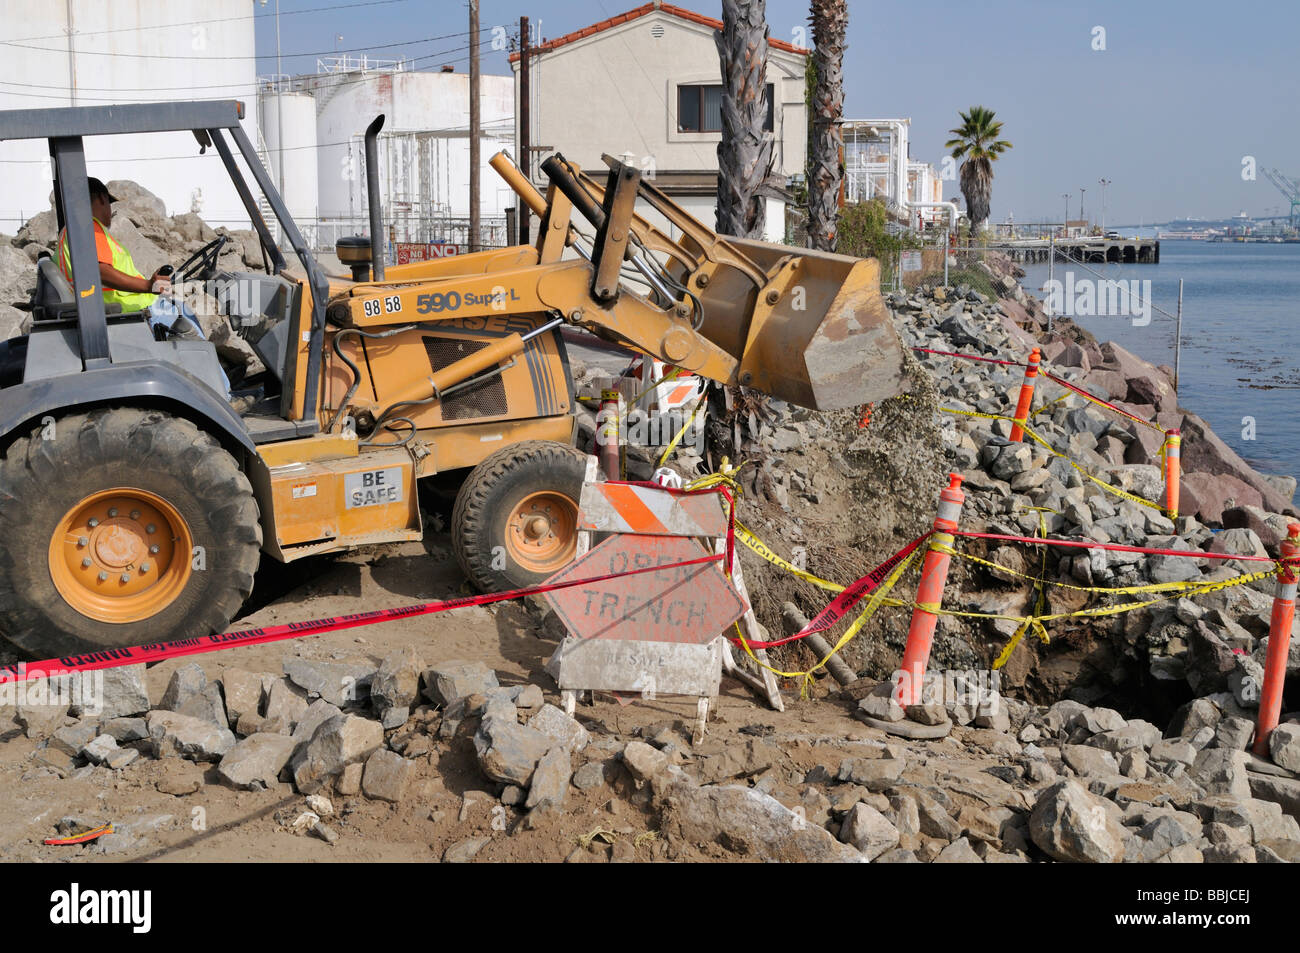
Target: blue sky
(1182, 92)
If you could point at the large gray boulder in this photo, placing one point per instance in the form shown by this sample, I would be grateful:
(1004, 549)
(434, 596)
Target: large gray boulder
(508, 751)
(340, 741)
(745, 823)
(174, 734)
(1069, 824)
(256, 762)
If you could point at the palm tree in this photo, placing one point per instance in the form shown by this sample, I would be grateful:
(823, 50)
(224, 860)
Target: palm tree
(830, 20)
(745, 152)
(978, 143)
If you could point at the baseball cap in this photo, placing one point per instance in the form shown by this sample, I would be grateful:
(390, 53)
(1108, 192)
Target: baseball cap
(99, 188)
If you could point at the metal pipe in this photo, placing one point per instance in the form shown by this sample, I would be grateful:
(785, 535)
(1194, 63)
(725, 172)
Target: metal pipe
(1178, 338)
(377, 243)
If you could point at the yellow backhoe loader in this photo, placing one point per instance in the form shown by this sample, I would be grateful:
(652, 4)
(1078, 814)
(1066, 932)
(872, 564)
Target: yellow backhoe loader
(135, 501)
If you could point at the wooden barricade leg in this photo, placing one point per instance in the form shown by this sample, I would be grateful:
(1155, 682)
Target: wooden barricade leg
(763, 684)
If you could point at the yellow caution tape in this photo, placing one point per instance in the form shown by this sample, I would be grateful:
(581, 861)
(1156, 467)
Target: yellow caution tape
(724, 476)
(1050, 449)
(1037, 619)
(699, 405)
(876, 600)
(1118, 590)
(758, 546)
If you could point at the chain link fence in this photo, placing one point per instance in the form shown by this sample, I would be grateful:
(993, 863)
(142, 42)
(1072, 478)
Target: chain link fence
(322, 234)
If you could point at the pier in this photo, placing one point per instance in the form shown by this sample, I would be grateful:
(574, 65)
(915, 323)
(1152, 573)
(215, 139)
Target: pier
(1132, 251)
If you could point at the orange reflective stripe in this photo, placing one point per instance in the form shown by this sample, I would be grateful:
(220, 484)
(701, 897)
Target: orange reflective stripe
(103, 250)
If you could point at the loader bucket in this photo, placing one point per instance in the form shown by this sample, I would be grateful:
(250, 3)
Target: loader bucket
(829, 342)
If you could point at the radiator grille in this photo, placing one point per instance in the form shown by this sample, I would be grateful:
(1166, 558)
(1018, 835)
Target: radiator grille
(485, 399)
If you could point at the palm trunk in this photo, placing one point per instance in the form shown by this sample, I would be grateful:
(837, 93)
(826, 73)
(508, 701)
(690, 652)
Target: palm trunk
(830, 20)
(745, 152)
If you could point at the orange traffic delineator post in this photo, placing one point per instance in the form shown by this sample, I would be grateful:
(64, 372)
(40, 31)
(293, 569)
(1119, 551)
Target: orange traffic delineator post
(1279, 641)
(1026, 396)
(934, 573)
(1173, 470)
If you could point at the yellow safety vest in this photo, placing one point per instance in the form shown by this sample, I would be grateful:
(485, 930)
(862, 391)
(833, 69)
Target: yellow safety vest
(111, 253)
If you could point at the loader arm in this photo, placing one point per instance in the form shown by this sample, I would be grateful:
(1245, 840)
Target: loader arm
(808, 327)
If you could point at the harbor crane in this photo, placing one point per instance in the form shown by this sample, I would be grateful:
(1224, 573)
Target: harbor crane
(1288, 187)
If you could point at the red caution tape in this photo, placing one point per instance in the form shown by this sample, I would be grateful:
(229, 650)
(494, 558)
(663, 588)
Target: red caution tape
(1064, 383)
(158, 651)
(970, 357)
(1085, 544)
(843, 603)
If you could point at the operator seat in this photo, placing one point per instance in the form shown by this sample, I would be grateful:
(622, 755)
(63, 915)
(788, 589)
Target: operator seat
(52, 299)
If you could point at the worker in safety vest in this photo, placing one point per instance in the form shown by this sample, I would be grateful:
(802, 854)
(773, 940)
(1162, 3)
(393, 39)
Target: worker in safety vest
(122, 281)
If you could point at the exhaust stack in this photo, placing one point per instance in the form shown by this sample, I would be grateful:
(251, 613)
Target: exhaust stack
(377, 243)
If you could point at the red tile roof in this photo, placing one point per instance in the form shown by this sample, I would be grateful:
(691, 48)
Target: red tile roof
(639, 12)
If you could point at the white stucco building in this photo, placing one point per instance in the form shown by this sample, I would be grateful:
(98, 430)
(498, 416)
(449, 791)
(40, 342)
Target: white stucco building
(646, 86)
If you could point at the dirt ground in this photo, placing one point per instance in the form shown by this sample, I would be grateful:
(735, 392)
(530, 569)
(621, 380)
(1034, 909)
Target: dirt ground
(448, 801)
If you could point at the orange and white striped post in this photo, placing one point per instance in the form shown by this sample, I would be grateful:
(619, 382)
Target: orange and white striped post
(1026, 396)
(934, 573)
(1173, 471)
(1279, 641)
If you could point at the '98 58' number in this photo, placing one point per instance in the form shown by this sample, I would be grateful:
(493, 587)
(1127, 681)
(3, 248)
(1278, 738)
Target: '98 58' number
(377, 306)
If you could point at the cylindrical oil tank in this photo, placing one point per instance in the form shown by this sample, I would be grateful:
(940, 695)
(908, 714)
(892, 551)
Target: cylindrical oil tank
(292, 115)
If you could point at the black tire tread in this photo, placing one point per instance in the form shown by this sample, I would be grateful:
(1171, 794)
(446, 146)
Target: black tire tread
(471, 515)
(32, 468)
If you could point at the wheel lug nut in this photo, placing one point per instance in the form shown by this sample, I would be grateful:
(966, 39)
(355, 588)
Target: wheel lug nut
(135, 514)
(102, 575)
(153, 550)
(150, 528)
(112, 511)
(144, 568)
(83, 541)
(126, 577)
(92, 522)
(85, 562)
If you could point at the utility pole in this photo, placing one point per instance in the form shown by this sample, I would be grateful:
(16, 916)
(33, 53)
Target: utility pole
(525, 120)
(1081, 218)
(474, 144)
(279, 104)
(1065, 222)
(1103, 183)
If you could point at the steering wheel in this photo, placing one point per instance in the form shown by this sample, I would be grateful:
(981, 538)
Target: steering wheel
(206, 258)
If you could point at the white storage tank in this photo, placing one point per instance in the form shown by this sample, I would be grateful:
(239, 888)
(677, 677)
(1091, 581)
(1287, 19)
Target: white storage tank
(91, 53)
(292, 115)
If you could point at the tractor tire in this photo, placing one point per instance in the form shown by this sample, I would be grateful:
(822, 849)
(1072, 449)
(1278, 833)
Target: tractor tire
(121, 527)
(515, 519)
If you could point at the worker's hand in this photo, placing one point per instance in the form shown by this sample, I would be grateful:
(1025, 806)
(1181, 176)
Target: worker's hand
(160, 284)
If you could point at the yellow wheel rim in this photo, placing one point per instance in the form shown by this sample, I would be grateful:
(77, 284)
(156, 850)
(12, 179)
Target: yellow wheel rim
(542, 533)
(121, 555)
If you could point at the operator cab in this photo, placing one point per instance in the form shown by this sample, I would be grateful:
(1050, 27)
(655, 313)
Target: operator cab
(279, 312)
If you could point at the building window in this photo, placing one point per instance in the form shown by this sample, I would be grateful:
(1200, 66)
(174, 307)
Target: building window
(699, 108)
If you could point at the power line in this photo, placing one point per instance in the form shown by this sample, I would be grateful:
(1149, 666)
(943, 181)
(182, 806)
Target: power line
(318, 145)
(168, 26)
(60, 91)
(204, 59)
